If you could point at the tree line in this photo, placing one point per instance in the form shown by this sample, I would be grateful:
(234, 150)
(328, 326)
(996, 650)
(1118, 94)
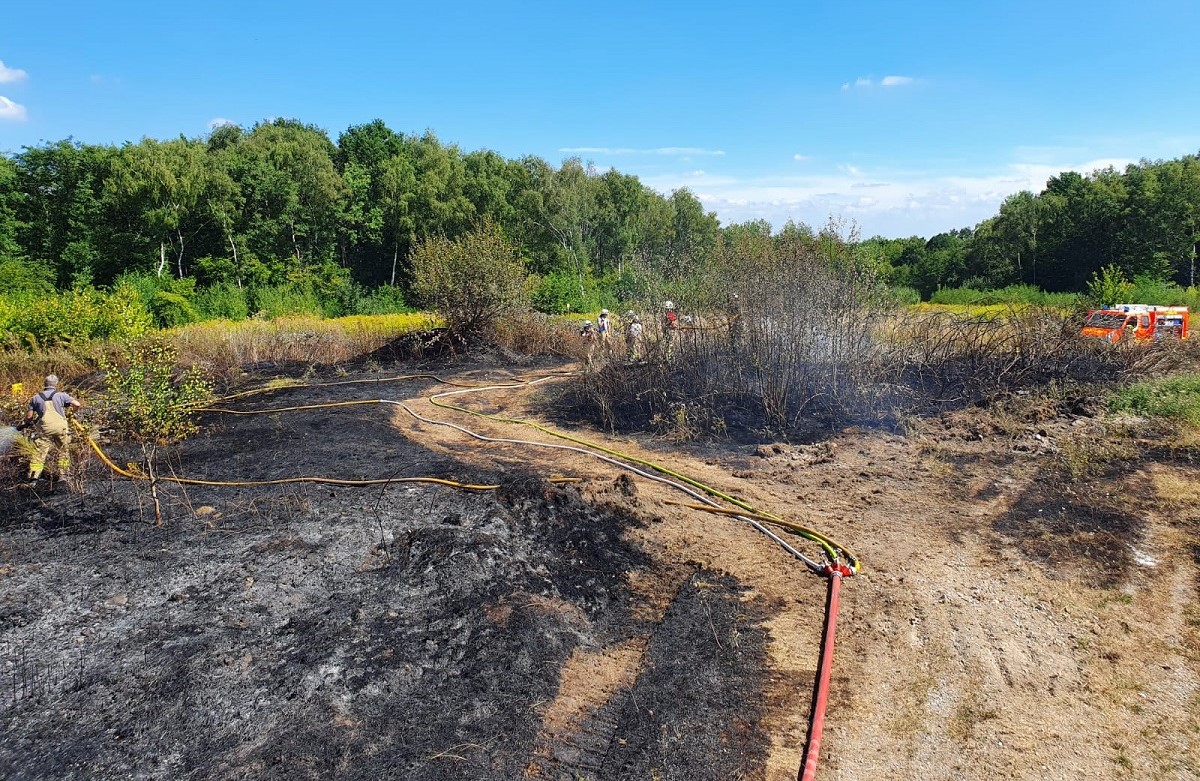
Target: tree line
(1143, 221)
(283, 205)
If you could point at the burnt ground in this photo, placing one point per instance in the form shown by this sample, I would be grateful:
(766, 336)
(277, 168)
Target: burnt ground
(1028, 607)
(309, 631)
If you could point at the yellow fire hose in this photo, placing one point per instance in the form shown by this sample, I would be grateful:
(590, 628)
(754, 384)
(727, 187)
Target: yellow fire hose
(136, 474)
(834, 551)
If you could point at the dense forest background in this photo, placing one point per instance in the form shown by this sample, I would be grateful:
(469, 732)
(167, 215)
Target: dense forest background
(219, 226)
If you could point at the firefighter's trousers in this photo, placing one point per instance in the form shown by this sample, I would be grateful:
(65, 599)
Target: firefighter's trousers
(53, 432)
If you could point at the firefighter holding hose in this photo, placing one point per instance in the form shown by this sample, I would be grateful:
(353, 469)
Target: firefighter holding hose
(47, 417)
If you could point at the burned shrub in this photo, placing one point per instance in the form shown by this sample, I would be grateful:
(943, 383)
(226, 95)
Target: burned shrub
(943, 359)
(798, 334)
(786, 335)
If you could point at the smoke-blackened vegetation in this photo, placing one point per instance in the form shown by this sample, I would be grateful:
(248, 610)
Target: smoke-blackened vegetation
(798, 333)
(786, 334)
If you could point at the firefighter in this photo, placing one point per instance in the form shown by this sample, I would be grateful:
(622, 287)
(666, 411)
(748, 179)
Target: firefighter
(633, 338)
(604, 327)
(47, 416)
(670, 327)
(588, 333)
(734, 314)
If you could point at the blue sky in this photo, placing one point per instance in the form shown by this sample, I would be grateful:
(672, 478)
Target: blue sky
(902, 118)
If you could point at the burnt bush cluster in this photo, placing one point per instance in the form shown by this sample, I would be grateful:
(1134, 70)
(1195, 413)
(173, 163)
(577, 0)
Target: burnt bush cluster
(805, 337)
(786, 334)
(935, 360)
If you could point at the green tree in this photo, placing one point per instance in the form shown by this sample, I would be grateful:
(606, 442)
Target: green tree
(166, 183)
(471, 280)
(1109, 286)
(10, 196)
(62, 218)
(294, 194)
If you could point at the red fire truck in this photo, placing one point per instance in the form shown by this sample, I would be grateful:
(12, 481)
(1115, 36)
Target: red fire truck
(1137, 323)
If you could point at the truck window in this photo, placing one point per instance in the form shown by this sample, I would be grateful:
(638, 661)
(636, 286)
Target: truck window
(1105, 320)
(1145, 321)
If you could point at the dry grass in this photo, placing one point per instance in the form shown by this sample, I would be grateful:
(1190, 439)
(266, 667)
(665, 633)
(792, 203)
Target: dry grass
(29, 369)
(219, 346)
(534, 334)
(1176, 490)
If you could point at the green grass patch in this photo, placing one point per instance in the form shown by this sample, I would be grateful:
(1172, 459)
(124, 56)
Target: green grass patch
(1028, 295)
(1176, 397)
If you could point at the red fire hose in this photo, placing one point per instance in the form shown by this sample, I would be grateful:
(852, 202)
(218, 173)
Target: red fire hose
(816, 722)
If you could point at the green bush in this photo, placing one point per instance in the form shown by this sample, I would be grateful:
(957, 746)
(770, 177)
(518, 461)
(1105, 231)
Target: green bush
(170, 301)
(906, 296)
(282, 300)
(146, 400)
(383, 300)
(78, 316)
(1012, 294)
(223, 302)
(172, 309)
(21, 278)
(558, 293)
(1154, 291)
(471, 281)
(1109, 286)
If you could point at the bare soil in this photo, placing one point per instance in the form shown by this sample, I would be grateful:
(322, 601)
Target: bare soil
(1028, 607)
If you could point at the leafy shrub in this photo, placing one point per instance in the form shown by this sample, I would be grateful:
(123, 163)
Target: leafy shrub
(470, 281)
(906, 296)
(146, 398)
(1173, 397)
(21, 278)
(172, 309)
(223, 302)
(557, 294)
(78, 316)
(170, 301)
(383, 300)
(1147, 290)
(1109, 286)
(285, 300)
(1030, 295)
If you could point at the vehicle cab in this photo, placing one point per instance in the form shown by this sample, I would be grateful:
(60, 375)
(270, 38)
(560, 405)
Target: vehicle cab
(1137, 323)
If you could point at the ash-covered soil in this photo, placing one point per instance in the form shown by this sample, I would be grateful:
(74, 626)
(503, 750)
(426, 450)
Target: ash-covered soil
(411, 631)
(1028, 607)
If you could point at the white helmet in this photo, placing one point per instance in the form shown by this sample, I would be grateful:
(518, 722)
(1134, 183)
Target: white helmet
(604, 311)
(668, 305)
(587, 322)
(630, 313)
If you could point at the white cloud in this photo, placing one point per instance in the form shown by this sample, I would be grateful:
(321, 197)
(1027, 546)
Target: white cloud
(799, 158)
(891, 203)
(217, 122)
(11, 110)
(865, 82)
(10, 75)
(669, 151)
